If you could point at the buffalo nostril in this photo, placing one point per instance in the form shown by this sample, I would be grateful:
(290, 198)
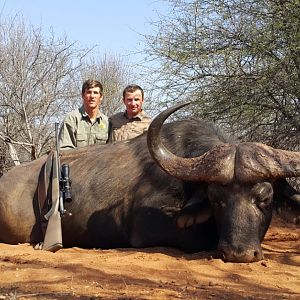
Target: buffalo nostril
(224, 252)
(223, 256)
(256, 254)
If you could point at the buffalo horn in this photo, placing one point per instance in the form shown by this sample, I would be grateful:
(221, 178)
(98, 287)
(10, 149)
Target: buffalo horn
(216, 165)
(256, 161)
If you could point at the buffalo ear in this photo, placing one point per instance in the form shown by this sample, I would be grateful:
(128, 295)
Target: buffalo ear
(286, 201)
(197, 209)
(195, 195)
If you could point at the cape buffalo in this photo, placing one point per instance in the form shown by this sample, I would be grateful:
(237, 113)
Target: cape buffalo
(193, 189)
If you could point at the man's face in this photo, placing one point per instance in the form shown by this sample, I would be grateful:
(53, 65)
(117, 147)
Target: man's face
(133, 102)
(92, 98)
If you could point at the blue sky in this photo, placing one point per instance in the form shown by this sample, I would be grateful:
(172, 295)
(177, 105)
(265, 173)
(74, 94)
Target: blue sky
(115, 26)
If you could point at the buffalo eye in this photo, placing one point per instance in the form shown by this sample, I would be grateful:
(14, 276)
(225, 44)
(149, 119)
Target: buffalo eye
(263, 194)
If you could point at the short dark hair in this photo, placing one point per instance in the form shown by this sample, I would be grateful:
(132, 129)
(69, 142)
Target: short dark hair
(132, 88)
(91, 83)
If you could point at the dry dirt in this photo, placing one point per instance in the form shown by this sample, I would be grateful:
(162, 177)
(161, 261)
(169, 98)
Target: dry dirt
(155, 273)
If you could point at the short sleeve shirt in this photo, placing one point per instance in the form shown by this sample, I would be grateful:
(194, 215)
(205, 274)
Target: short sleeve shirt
(124, 128)
(77, 130)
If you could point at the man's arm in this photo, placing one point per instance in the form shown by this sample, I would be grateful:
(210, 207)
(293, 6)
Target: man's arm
(67, 138)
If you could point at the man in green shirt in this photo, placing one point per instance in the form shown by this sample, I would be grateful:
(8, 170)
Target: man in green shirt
(86, 125)
(134, 121)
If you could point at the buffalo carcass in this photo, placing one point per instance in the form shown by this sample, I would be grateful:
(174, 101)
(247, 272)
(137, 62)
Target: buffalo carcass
(211, 193)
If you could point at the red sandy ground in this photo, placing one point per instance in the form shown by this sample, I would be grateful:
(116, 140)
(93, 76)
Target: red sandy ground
(155, 273)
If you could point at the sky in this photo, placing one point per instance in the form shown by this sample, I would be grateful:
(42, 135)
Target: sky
(115, 26)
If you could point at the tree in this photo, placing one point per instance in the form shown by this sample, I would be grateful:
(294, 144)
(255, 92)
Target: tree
(37, 87)
(40, 81)
(239, 60)
(114, 74)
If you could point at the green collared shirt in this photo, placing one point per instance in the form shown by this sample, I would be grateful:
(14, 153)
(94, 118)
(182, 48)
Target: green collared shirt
(124, 128)
(77, 130)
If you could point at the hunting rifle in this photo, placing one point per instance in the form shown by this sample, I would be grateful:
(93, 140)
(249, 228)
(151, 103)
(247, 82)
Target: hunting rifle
(60, 193)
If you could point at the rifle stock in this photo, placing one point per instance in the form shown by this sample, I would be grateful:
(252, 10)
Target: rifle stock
(53, 236)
